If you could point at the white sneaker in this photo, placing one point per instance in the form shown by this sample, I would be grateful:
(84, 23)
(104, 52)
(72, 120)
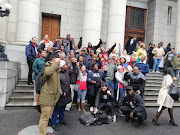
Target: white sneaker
(91, 109)
(153, 71)
(34, 103)
(157, 72)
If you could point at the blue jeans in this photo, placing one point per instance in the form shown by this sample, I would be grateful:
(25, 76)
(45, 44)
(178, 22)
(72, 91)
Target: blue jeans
(176, 74)
(156, 64)
(81, 96)
(58, 111)
(122, 95)
(111, 84)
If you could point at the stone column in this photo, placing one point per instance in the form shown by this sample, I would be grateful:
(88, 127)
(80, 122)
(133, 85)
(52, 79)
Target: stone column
(116, 24)
(92, 22)
(177, 39)
(28, 20)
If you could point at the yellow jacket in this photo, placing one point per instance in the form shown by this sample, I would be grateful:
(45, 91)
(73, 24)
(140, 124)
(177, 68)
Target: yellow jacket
(141, 52)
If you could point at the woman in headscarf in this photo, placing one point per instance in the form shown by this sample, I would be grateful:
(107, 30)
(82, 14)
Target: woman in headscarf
(133, 61)
(164, 99)
(121, 86)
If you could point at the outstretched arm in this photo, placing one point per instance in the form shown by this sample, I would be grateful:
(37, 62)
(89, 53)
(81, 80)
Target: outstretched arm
(111, 49)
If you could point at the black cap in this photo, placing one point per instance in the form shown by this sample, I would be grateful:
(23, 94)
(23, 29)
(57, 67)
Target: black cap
(129, 88)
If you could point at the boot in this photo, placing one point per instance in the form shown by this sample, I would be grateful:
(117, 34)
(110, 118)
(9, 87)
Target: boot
(83, 107)
(79, 106)
(155, 120)
(171, 122)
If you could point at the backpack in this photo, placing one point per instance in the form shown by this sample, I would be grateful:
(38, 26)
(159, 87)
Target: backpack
(102, 118)
(87, 119)
(39, 82)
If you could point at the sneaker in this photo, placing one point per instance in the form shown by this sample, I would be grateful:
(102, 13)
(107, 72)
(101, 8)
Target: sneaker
(157, 72)
(153, 71)
(91, 109)
(56, 128)
(34, 103)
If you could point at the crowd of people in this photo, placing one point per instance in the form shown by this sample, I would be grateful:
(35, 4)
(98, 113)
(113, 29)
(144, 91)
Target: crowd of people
(72, 73)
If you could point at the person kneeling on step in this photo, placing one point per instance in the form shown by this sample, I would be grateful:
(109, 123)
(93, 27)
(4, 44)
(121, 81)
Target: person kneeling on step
(105, 100)
(133, 106)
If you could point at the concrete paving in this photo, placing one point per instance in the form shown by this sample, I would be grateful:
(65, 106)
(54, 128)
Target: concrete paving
(13, 121)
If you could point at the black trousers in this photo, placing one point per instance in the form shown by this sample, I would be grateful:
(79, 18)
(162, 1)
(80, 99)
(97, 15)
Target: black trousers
(151, 62)
(126, 110)
(30, 63)
(109, 106)
(91, 100)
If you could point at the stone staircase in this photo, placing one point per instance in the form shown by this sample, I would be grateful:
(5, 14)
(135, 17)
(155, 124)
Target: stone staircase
(153, 85)
(22, 96)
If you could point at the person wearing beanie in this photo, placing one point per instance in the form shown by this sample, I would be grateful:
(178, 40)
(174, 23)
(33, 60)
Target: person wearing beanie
(65, 97)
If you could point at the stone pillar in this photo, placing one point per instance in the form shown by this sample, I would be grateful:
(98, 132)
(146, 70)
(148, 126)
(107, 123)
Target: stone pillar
(3, 25)
(177, 40)
(28, 20)
(92, 22)
(116, 24)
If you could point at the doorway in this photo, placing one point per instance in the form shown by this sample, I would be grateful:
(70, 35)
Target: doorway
(135, 24)
(51, 26)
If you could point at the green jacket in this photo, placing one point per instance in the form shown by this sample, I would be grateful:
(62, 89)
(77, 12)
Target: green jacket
(38, 66)
(110, 71)
(176, 63)
(51, 90)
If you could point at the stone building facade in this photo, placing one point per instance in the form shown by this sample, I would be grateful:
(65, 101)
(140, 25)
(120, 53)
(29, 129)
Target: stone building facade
(112, 20)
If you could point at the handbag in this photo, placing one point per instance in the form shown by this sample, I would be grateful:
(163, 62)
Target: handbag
(174, 92)
(76, 87)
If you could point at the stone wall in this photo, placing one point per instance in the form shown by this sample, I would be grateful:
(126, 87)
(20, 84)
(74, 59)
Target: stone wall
(9, 74)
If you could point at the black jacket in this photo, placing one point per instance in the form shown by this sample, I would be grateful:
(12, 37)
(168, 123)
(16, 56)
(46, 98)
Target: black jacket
(137, 102)
(65, 86)
(130, 48)
(150, 55)
(100, 95)
(73, 72)
(136, 81)
(95, 47)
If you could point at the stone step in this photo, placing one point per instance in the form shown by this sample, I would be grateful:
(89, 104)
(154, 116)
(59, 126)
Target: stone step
(22, 97)
(23, 91)
(19, 105)
(150, 98)
(154, 93)
(152, 88)
(153, 82)
(154, 78)
(24, 86)
(154, 75)
(154, 104)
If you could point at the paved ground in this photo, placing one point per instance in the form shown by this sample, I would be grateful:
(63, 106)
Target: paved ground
(12, 121)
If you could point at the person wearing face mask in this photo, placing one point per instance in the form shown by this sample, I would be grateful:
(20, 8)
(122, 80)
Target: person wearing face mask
(164, 99)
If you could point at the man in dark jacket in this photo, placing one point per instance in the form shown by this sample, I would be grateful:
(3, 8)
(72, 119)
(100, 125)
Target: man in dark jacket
(31, 54)
(80, 43)
(64, 99)
(137, 80)
(143, 66)
(58, 43)
(105, 99)
(133, 106)
(72, 68)
(131, 45)
(89, 57)
(150, 56)
(90, 47)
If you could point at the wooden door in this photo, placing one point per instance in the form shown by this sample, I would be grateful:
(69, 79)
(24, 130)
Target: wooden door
(135, 23)
(51, 27)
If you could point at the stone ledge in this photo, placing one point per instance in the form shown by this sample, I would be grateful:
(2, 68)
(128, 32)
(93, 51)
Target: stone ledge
(4, 65)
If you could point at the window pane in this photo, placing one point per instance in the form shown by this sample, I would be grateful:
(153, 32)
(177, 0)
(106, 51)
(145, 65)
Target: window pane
(136, 19)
